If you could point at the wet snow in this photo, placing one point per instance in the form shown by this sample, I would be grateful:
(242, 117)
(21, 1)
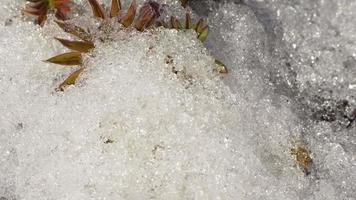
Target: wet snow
(150, 119)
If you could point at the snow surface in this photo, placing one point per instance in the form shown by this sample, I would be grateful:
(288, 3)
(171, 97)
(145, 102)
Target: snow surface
(132, 129)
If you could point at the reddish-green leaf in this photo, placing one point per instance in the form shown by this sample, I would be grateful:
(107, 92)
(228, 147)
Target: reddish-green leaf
(40, 8)
(71, 58)
(42, 18)
(62, 7)
(130, 15)
(148, 15)
(72, 78)
(115, 8)
(98, 11)
(80, 46)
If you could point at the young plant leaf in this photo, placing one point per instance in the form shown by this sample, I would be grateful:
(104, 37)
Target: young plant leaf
(175, 23)
(184, 3)
(40, 8)
(70, 80)
(149, 12)
(199, 26)
(204, 34)
(42, 18)
(37, 8)
(162, 23)
(115, 8)
(188, 21)
(220, 67)
(80, 46)
(98, 11)
(33, 9)
(62, 7)
(130, 15)
(74, 30)
(71, 58)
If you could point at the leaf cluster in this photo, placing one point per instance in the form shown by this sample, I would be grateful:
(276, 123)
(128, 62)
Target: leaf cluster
(147, 17)
(40, 9)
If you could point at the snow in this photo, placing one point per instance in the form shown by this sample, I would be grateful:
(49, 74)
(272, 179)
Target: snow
(131, 128)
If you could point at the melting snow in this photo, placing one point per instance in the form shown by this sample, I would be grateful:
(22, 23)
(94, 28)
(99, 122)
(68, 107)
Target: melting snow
(150, 119)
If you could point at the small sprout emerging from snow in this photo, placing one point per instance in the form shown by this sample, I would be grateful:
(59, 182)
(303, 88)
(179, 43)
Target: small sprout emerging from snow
(98, 11)
(200, 27)
(115, 8)
(184, 3)
(188, 21)
(303, 158)
(72, 78)
(129, 17)
(220, 67)
(40, 9)
(149, 13)
(175, 23)
(202, 31)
